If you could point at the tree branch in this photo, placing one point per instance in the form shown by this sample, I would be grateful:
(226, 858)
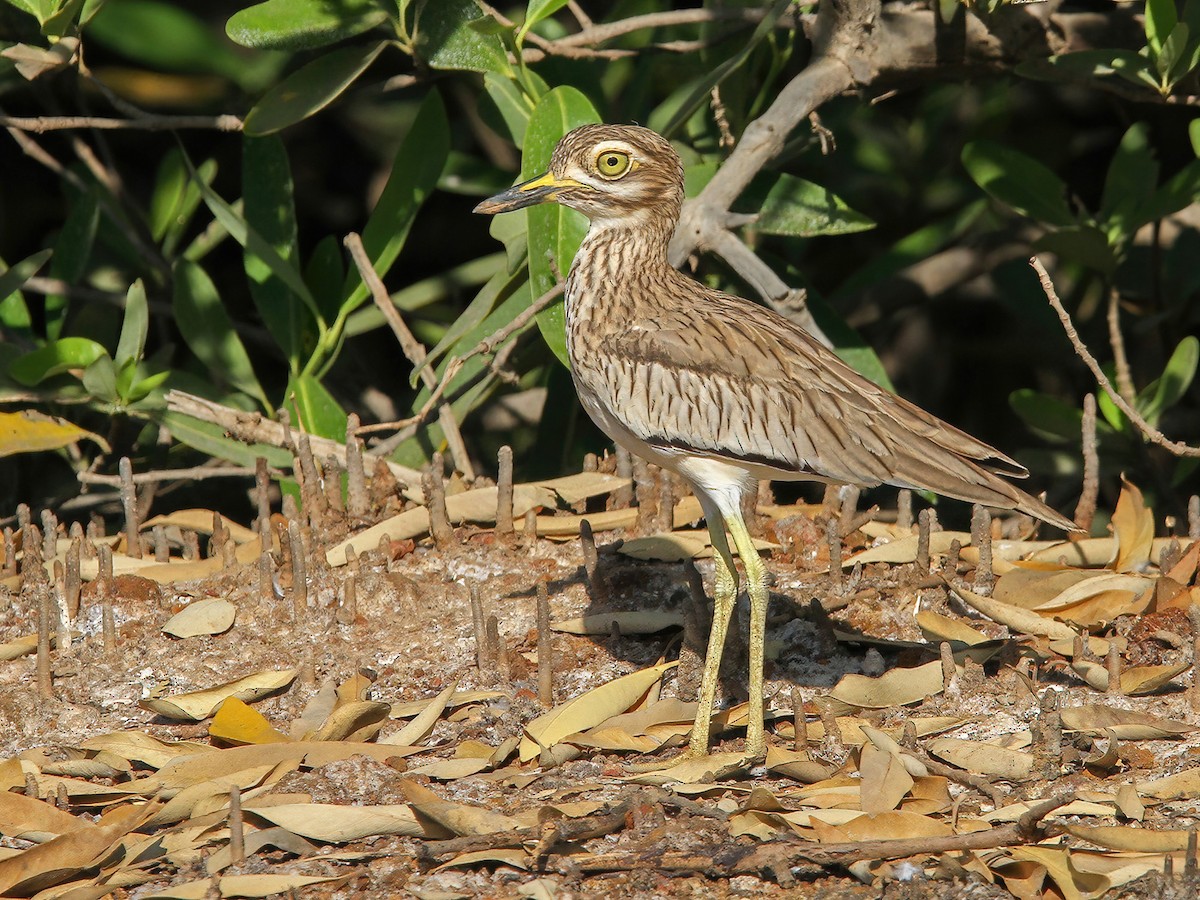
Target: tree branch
(1151, 433)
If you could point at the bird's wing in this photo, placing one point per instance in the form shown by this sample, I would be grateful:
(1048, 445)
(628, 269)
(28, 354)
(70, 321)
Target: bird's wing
(736, 381)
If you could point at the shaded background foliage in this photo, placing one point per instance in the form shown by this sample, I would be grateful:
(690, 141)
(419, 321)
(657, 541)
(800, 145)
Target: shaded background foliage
(909, 219)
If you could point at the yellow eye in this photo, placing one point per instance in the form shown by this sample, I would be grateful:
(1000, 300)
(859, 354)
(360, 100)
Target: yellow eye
(612, 163)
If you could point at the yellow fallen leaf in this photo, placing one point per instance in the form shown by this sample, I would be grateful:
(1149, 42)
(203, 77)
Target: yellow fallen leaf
(450, 769)
(1022, 621)
(517, 859)
(26, 819)
(885, 782)
(33, 432)
(883, 827)
(904, 550)
(1074, 884)
(237, 723)
(704, 769)
(1126, 724)
(589, 709)
(936, 628)
(201, 522)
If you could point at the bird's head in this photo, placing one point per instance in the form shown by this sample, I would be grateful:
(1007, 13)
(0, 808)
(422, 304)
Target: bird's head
(608, 173)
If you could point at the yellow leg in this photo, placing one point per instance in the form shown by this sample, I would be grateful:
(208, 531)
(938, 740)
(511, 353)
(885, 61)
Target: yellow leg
(724, 597)
(756, 588)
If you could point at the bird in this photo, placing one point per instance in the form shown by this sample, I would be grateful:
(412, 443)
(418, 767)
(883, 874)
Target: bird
(723, 391)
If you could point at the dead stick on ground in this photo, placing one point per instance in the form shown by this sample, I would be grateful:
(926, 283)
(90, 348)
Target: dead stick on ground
(413, 349)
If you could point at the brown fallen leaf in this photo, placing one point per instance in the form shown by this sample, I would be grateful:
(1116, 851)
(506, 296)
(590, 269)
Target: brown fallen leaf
(420, 727)
(516, 859)
(885, 781)
(897, 687)
(57, 860)
(937, 628)
(589, 709)
(338, 824)
(984, 759)
(1135, 681)
(1074, 884)
(27, 819)
(197, 705)
(1127, 724)
(203, 617)
(359, 720)
(640, 621)
(1133, 528)
(241, 886)
(455, 818)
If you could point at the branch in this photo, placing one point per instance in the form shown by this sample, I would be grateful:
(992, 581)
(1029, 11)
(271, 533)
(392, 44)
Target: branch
(42, 124)
(1148, 431)
(412, 349)
(195, 473)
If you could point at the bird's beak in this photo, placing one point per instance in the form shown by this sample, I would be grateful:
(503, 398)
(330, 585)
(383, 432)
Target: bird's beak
(528, 193)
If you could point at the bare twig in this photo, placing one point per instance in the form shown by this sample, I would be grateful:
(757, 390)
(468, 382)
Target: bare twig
(413, 349)
(42, 124)
(1117, 341)
(1148, 431)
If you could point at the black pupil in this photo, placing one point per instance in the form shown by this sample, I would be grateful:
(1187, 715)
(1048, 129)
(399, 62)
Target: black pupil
(611, 162)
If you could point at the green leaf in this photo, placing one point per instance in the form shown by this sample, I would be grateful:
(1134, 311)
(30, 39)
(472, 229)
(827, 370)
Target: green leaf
(1132, 176)
(56, 357)
(250, 239)
(134, 326)
(1179, 192)
(1194, 129)
(1018, 181)
(310, 88)
(1136, 69)
(72, 251)
(703, 90)
(314, 408)
(1080, 65)
(555, 232)
(276, 287)
(14, 313)
(100, 380)
(415, 173)
(535, 12)
(512, 102)
(324, 274)
(799, 208)
(447, 40)
(165, 37)
(1083, 244)
(175, 198)
(1160, 22)
(1171, 62)
(303, 24)
(1176, 378)
(1111, 413)
(1046, 416)
(210, 439)
(207, 329)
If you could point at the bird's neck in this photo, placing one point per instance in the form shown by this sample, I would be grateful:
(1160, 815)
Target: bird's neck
(617, 251)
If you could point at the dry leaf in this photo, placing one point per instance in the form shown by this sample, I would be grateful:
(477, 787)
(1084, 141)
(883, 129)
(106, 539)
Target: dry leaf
(418, 729)
(241, 886)
(589, 709)
(677, 546)
(1074, 884)
(202, 617)
(137, 746)
(201, 522)
(640, 621)
(198, 705)
(450, 769)
(237, 723)
(885, 781)
(706, 769)
(1134, 681)
(456, 818)
(897, 687)
(1126, 724)
(904, 550)
(57, 860)
(1183, 785)
(517, 859)
(26, 819)
(338, 824)
(984, 759)
(936, 628)
(1129, 804)
(1019, 620)
(360, 720)
(883, 827)
(583, 485)
(1133, 528)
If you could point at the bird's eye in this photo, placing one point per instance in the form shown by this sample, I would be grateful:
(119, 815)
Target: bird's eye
(612, 163)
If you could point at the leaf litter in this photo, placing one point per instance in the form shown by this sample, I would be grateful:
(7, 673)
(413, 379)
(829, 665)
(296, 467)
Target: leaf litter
(333, 751)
